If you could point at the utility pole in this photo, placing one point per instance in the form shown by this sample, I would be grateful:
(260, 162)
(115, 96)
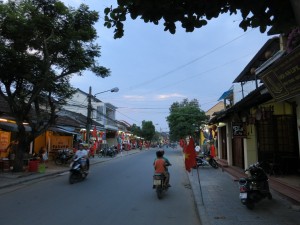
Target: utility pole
(89, 111)
(89, 114)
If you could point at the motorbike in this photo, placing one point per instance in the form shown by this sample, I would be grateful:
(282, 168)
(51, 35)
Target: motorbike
(159, 184)
(111, 152)
(255, 187)
(64, 156)
(205, 160)
(77, 172)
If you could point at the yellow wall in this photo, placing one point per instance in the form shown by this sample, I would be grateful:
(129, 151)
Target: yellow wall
(250, 152)
(39, 142)
(61, 142)
(4, 142)
(280, 108)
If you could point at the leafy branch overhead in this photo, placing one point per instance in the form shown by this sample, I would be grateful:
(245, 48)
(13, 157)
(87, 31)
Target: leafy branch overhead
(193, 14)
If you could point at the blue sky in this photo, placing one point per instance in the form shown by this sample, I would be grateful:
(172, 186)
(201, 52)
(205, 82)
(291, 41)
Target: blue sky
(153, 68)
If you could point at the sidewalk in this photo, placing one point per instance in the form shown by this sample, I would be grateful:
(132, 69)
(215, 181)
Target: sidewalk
(8, 179)
(217, 199)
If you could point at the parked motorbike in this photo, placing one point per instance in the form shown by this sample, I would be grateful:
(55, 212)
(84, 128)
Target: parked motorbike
(205, 160)
(111, 152)
(255, 187)
(64, 156)
(77, 172)
(159, 185)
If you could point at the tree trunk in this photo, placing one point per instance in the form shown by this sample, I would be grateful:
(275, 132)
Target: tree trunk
(19, 151)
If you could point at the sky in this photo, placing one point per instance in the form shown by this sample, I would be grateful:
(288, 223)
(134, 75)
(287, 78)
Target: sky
(153, 68)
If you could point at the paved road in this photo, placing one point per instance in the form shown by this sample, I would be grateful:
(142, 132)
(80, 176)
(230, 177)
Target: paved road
(118, 191)
(217, 200)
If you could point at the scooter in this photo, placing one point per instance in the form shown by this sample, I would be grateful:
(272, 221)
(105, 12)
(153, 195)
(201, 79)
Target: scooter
(255, 187)
(159, 184)
(64, 156)
(77, 172)
(205, 160)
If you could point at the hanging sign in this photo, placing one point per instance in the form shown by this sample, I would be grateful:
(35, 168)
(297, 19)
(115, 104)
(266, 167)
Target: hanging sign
(282, 79)
(238, 129)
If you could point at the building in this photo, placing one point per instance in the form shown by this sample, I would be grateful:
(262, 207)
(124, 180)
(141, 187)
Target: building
(95, 110)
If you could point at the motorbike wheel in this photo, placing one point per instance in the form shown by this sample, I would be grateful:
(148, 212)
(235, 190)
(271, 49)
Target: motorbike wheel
(159, 193)
(73, 178)
(58, 161)
(250, 205)
(214, 163)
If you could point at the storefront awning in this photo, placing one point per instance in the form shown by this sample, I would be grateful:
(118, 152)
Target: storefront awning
(12, 127)
(226, 94)
(61, 130)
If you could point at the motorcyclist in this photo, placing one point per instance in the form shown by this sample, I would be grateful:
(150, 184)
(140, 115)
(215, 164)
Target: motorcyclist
(161, 164)
(83, 154)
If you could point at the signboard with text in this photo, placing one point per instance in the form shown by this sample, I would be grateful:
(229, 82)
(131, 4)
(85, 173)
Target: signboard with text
(282, 79)
(238, 129)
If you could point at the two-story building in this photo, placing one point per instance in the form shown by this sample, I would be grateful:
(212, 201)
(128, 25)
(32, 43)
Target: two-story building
(95, 110)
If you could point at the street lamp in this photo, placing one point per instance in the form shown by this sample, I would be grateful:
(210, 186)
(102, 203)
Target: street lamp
(89, 110)
(115, 89)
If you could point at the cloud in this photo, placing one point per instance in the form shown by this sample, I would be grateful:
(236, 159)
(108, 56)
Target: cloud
(169, 96)
(161, 97)
(134, 97)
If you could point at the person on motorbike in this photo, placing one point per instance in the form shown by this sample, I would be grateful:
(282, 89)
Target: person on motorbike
(82, 153)
(161, 164)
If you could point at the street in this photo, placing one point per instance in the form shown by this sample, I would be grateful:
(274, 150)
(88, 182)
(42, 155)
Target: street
(118, 191)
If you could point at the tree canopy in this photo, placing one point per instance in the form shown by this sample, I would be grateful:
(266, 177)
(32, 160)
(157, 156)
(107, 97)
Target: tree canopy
(192, 14)
(148, 130)
(43, 44)
(136, 130)
(184, 119)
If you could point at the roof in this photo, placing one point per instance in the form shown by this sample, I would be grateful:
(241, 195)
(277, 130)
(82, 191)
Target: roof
(256, 97)
(92, 97)
(226, 94)
(13, 127)
(69, 118)
(271, 45)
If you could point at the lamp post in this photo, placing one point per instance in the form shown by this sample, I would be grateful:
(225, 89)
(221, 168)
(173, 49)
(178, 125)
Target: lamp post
(89, 110)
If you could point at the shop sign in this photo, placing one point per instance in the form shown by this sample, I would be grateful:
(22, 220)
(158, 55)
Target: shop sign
(238, 129)
(61, 142)
(282, 79)
(4, 140)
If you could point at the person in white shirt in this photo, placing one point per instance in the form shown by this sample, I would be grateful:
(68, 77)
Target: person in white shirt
(82, 153)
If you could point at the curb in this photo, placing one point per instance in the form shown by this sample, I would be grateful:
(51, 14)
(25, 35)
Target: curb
(196, 189)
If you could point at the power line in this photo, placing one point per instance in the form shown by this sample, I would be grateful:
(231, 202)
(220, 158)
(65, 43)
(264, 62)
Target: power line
(188, 63)
(196, 75)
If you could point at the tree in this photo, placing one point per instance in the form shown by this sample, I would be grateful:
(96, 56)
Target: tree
(42, 45)
(196, 13)
(185, 118)
(136, 130)
(156, 137)
(148, 130)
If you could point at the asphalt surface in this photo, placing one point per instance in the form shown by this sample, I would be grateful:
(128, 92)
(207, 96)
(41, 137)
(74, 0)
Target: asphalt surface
(216, 196)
